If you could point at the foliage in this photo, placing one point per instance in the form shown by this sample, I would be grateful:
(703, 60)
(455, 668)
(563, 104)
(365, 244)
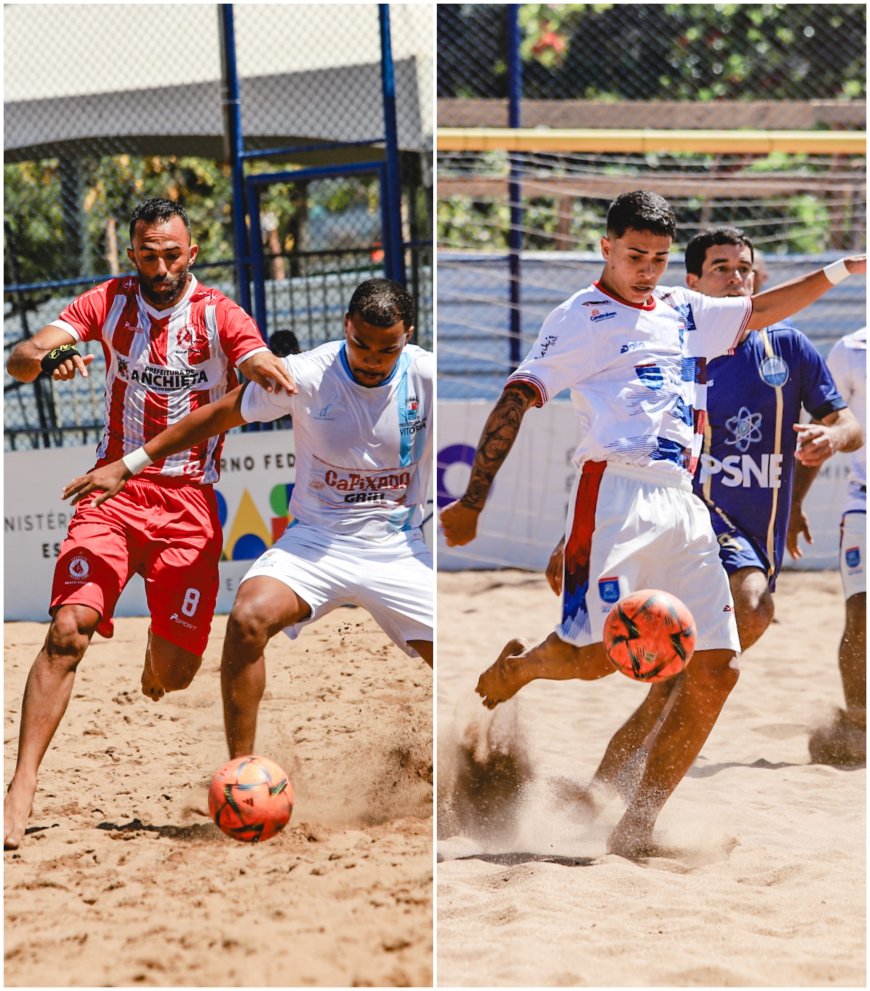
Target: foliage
(692, 51)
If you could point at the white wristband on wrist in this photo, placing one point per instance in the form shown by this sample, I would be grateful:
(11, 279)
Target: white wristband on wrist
(137, 461)
(836, 272)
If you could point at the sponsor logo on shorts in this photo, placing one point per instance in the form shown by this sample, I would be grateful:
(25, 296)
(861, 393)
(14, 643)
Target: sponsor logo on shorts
(79, 568)
(853, 557)
(175, 618)
(773, 370)
(608, 590)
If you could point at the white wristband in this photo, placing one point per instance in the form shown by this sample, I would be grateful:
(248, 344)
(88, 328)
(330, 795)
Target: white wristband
(836, 272)
(137, 461)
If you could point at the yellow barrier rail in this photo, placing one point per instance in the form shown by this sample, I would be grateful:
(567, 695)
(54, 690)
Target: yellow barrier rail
(546, 140)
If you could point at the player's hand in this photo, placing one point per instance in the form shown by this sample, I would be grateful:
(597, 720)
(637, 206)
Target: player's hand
(459, 523)
(555, 567)
(110, 479)
(815, 443)
(78, 364)
(269, 372)
(798, 525)
(857, 264)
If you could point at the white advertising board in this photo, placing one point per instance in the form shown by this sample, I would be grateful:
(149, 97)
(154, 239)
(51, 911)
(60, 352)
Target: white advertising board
(525, 513)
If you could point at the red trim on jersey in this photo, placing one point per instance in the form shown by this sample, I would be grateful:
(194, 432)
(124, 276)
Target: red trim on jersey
(625, 302)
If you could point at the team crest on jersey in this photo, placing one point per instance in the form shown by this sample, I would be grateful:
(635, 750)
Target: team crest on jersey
(608, 590)
(186, 337)
(745, 429)
(774, 371)
(411, 406)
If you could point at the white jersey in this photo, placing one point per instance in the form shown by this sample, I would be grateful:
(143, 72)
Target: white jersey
(848, 364)
(363, 455)
(637, 374)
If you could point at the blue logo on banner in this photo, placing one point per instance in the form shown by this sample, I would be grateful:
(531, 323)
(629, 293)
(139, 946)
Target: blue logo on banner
(608, 589)
(853, 557)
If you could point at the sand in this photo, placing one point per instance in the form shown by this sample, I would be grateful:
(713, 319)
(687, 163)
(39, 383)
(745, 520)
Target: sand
(766, 885)
(125, 881)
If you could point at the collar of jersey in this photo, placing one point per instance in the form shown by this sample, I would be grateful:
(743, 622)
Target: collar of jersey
(163, 314)
(343, 355)
(624, 302)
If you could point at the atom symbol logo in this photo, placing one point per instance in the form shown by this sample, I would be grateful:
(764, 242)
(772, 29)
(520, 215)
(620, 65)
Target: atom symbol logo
(746, 429)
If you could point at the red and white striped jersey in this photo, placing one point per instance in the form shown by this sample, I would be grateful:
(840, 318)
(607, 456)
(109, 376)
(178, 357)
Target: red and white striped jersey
(162, 365)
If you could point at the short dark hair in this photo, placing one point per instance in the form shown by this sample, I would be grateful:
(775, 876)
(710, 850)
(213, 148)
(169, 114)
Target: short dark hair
(641, 211)
(157, 211)
(284, 342)
(700, 244)
(382, 303)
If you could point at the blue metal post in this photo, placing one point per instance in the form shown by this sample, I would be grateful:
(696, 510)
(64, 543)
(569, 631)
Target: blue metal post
(515, 234)
(234, 151)
(394, 251)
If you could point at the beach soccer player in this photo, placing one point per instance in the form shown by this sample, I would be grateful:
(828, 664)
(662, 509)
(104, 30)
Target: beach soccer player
(362, 413)
(844, 740)
(634, 356)
(171, 345)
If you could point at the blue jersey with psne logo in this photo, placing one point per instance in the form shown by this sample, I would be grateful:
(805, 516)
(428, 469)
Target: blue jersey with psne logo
(754, 397)
(363, 453)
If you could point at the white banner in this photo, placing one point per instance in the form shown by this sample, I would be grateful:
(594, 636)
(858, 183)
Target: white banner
(525, 513)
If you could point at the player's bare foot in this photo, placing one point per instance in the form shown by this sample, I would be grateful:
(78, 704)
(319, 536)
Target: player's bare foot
(150, 685)
(16, 812)
(843, 742)
(503, 679)
(581, 799)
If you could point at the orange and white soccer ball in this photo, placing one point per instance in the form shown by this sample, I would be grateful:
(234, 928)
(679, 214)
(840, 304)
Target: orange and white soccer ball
(250, 799)
(650, 635)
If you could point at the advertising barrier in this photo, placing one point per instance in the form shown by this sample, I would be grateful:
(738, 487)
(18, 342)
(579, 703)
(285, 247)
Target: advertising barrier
(525, 513)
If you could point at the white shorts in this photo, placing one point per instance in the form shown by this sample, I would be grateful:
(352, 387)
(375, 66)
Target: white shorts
(631, 528)
(853, 552)
(390, 577)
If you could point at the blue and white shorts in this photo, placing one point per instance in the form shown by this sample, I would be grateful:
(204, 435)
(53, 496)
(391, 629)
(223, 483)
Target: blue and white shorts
(853, 552)
(630, 528)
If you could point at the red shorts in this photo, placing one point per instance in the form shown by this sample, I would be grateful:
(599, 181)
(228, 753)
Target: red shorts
(171, 535)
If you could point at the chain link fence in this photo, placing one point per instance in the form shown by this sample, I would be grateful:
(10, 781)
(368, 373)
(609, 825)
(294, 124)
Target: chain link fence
(96, 122)
(517, 229)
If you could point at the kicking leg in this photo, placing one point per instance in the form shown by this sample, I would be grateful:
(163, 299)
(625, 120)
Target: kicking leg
(552, 659)
(46, 696)
(168, 667)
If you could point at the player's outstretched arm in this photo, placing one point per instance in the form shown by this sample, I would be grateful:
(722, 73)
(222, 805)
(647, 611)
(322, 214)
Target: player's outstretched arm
(205, 422)
(459, 519)
(821, 439)
(50, 350)
(783, 301)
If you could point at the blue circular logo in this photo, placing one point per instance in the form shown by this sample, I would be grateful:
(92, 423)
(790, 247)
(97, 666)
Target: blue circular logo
(774, 371)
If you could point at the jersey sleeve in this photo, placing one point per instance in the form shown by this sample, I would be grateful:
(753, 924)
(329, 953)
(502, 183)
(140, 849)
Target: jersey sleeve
(259, 406)
(838, 365)
(559, 358)
(239, 335)
(85, 316)
(714, 325)
(819, 392)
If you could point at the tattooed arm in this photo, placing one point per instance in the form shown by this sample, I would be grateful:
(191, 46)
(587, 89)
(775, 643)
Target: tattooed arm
(459, 519)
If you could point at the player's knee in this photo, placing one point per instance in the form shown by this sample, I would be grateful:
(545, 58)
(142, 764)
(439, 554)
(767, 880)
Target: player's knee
(718, 668)
(67, 640)
(179, 676)
(246, 627)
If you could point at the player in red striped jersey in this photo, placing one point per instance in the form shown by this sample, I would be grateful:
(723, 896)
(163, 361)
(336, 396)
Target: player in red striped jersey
(171, 346)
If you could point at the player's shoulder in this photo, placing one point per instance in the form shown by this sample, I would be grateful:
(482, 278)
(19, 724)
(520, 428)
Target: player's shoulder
(420, 361)
(856, 341)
